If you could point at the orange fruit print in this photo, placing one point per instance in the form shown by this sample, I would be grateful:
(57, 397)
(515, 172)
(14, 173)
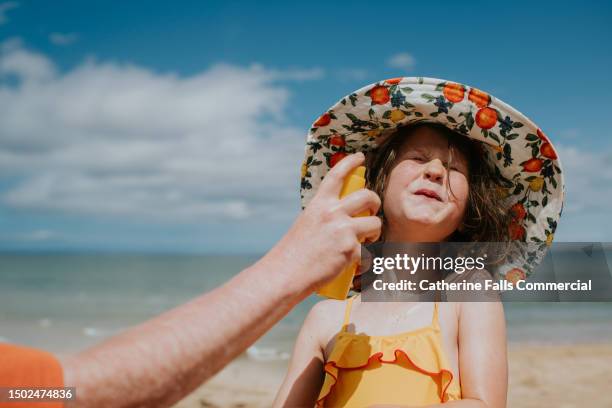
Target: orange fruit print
(335, 158)
(542, 136)
(532, 165)
(486, 118)
(518, 211)
(337, 140)
(480, 99)
(323, 120)
(393, 81)
(547, 151)
(517, 232)
(379, 95)
(454, 92)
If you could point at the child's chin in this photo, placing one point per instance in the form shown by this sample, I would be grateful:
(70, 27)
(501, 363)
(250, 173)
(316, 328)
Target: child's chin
(424, 219)
(423, 214)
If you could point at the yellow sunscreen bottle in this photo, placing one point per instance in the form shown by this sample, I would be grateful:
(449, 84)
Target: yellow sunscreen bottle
(339, 287)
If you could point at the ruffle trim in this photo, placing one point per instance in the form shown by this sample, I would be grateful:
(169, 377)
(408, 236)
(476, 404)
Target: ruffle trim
(331, 374)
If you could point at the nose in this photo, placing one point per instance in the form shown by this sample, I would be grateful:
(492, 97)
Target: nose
(434, 171)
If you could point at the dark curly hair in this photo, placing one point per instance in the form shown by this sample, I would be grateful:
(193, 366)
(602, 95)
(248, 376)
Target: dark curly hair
(486, 218)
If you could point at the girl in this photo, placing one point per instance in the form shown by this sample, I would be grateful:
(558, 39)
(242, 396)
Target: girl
(465, 174)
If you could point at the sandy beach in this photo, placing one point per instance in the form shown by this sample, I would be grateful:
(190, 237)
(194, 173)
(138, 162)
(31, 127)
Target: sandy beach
(559, 376)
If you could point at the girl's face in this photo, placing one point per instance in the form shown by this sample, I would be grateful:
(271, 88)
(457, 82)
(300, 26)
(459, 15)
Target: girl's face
(418, 205)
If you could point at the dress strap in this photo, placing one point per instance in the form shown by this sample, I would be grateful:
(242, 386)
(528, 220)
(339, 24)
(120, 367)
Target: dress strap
(347, 312)
(434, 319)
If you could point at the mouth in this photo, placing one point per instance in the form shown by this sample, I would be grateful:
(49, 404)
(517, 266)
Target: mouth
(428, 193)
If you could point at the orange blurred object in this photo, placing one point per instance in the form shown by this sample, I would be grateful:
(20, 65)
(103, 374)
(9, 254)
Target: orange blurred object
(24, 367)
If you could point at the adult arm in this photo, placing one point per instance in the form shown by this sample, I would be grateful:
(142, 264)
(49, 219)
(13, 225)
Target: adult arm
(159, 362)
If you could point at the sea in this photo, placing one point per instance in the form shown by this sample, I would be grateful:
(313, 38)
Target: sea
(65, 302)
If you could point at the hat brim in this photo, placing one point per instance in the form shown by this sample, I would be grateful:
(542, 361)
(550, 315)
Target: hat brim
(523, 156)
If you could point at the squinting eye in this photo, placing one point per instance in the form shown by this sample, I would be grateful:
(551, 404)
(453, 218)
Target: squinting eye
(458, 169)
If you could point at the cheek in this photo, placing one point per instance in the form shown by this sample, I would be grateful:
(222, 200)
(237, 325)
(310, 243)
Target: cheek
(399, 179)
(460, 190)
(403, 174)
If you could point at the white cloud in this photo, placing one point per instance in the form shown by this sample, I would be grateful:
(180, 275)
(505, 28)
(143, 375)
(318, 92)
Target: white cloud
(124, 141)
(588, 183)
(402, 60)
(24, 65)
(4, 8)
(62, 39)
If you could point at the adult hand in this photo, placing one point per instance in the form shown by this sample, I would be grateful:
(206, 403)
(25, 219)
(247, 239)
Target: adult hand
(325, 237)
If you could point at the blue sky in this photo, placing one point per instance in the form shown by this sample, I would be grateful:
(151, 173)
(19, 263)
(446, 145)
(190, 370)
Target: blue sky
(180, 127)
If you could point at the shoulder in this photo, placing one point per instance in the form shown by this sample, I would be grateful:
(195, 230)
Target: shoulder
(329, 310)
(326, 317)
(481, 314)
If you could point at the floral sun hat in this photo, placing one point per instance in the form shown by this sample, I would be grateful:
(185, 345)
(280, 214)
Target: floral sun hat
(521, 155)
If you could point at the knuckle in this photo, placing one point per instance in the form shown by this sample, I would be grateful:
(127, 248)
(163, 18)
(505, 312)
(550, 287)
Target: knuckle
(328, 212)
(345, 230)
(346, 249)
(337, 228)
(326, 215)
(346, 236)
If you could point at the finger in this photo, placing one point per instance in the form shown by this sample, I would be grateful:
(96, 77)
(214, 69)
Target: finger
(365, 262)
(356, 255)
(332, 183)
(367, 228)
(361, 201)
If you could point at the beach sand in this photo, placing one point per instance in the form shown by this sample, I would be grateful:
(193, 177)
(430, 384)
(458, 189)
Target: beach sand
(560, 376)
(540, 376)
